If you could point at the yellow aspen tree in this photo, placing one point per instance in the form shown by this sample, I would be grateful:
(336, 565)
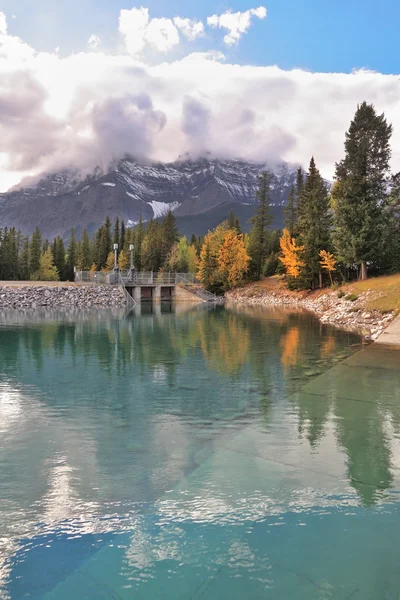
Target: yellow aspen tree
(233, 260)
(328, 262)
(124, 260)
(110, 263)
(290, 254)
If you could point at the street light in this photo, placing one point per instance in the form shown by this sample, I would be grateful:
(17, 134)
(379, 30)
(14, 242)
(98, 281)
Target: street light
(132, 269)
(116, 258)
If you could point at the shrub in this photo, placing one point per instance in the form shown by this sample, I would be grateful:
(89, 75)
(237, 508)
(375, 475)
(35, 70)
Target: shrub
(351, 297)
(340, 294)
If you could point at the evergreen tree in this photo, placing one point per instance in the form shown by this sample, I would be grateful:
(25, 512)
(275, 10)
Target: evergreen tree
(85, 260)
(290, 212)
(361, 188)
(193, 240)
(122, 236)
(58, 252)
(299, 185)
(23, 263)
(257, 241)
(71, 257)
(137, 256)
(35, 252)
(231, 220)
(168, 236)
(314, 224)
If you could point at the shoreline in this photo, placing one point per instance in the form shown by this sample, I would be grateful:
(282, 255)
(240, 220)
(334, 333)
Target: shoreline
(326, 305)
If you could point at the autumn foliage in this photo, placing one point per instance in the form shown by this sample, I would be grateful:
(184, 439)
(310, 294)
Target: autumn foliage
(327, 262)
(290, 254)
(224, 261)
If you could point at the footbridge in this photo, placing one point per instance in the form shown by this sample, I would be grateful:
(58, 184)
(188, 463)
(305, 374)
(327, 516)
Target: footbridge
(147, 286)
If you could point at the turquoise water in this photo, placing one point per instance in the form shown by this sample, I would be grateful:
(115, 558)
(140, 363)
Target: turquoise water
(204, 453)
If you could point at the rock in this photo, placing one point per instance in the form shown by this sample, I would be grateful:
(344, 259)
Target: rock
(61, 296)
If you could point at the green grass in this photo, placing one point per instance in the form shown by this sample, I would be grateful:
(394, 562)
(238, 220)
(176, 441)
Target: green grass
(384, 293)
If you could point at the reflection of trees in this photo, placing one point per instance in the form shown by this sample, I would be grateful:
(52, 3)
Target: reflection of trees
(361, 432)
(290, 347)
(270, 351)
(224, 342)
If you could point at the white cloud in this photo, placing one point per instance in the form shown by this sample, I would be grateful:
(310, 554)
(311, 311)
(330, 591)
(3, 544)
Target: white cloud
(3, 23)
(93, 107)
(236, 23)
(191, 29)
(139, 30)
(94, 41)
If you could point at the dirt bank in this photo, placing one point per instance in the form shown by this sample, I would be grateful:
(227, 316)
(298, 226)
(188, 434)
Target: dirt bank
(333, 307)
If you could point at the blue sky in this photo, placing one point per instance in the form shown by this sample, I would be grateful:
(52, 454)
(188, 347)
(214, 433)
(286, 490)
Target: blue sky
(83, 82)
(316, 35)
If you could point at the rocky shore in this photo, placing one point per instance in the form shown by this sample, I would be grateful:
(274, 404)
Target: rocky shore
(61, 296)
(328, 306)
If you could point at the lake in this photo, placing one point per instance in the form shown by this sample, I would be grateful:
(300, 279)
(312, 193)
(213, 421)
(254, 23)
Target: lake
(210, 452)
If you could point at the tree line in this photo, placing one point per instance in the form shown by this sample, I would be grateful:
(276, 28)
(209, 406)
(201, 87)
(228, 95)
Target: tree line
(331, 233)
(157, 245)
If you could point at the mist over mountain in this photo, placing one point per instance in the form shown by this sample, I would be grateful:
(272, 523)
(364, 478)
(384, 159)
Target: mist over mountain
(200, 193)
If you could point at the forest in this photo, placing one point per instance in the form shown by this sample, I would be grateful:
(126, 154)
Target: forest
(333, 233)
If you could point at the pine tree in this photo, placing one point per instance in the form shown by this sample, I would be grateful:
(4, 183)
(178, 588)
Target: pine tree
(314, 224)
(137, 256)
(35, 252)
(71, 258)
(193, 240)
(231, 220)
(85, 254)
(257, 242)
(169, 236)
(58, 252)
(23, 264)
(360, 190)
(290, 212)
(122, 236)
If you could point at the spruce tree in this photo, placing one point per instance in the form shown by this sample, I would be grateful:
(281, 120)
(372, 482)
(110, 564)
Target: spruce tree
(71, 257)
(231, 220)
(85, 253)
(290, 212)
(262, 219)
(58, 252)
(314, 224)
(361, 188)
(23, 264)
(122, 235)
(139, 236)
(35, 252)
(169, 236)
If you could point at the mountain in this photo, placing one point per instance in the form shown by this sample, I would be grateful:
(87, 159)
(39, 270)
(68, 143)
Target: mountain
(200, 193)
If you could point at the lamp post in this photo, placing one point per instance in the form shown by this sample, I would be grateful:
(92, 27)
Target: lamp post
(132, 268)
(116, 261)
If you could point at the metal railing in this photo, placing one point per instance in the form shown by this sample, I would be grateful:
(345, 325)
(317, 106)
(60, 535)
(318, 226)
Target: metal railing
(95, 277)
(151, 278)
(200, 292)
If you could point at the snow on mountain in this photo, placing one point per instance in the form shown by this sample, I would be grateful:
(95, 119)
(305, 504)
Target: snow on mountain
(160, 209)
(199, 192)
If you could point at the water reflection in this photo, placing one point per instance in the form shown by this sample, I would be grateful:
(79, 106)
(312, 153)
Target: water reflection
(214, 416)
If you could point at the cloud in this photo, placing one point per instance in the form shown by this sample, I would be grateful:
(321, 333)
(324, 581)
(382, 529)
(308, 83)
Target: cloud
(3, 24)
(139, 30)
(191, 29)
(91, 108)
(94, 41)
(236, 23)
